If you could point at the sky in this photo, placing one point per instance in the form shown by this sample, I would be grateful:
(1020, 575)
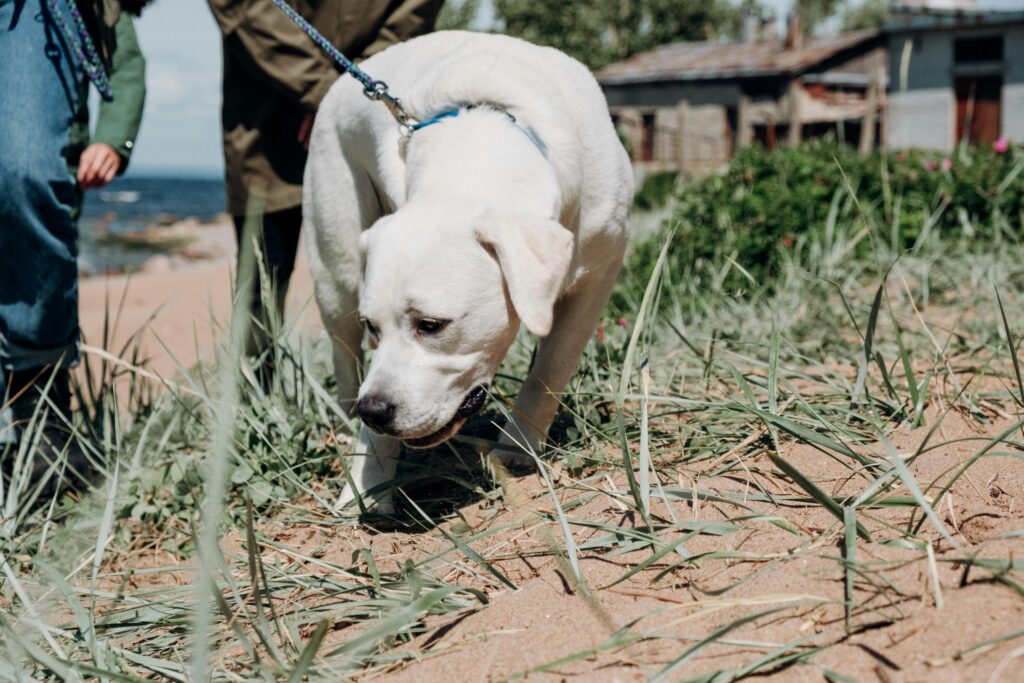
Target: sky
(180, 132)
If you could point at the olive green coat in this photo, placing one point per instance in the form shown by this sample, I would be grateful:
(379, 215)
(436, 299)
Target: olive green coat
(118, 121)
(274, 74)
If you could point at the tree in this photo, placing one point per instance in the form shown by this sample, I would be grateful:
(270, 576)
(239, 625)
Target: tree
(458, 15)
(870, 14)
(815, 12)
(598, 32)
(733, 29)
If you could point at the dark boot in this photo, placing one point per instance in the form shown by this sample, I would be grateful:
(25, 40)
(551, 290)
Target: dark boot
(54, 461)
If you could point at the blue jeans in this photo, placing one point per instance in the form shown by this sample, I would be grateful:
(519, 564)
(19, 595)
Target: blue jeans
(39, 90)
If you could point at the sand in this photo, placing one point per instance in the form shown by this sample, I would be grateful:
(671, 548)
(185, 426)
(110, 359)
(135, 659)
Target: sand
(179, 310)
(911, 640)
(175, 306)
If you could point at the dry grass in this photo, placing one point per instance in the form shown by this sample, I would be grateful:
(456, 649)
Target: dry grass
(817, 480)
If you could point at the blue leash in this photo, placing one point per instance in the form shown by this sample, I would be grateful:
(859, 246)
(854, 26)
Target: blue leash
(81, 44)
(378, 90)
(374, 90)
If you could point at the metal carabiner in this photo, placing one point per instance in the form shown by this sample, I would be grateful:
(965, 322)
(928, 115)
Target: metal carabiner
(378, 92)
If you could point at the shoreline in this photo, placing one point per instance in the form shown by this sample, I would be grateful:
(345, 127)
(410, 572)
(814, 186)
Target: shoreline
(177, 304)
(164, 245)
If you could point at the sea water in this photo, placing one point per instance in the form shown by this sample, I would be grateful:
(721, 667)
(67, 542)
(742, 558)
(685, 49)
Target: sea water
(134, 203)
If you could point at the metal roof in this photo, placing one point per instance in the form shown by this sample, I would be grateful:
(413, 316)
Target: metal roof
(924, 15)
(958, 6)
(696, 61)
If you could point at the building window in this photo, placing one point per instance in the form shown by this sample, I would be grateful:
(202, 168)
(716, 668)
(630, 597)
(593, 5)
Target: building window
(974, 50)
(647, 140)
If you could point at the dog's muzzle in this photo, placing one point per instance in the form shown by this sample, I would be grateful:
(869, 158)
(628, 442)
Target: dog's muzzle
(473, 403)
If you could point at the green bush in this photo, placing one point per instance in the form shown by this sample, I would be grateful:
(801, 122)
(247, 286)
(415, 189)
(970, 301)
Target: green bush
(768, 208)
(655, 191)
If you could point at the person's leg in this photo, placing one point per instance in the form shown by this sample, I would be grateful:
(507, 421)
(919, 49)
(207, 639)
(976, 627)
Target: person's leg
(38, 250)
(278, 245)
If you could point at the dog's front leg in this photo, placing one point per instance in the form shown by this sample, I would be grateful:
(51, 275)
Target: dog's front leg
(373, 466)
(576, 318)
(375, 458)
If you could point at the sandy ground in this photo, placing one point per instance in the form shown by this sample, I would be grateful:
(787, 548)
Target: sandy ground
(910, 639)
(910, 633)
(176, 306)
(549, 630)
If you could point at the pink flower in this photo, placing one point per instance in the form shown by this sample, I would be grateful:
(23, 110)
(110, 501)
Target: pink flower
(947, 164)
(1001, 146)
(930, 165)
(622, 322)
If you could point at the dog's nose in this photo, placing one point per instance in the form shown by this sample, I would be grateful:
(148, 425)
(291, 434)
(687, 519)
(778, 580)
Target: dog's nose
(377, 412)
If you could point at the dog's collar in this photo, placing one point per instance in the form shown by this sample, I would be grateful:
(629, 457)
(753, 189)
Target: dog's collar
(528, 132)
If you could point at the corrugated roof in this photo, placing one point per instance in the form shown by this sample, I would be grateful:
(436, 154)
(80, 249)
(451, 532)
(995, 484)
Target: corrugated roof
(945, 14)
(959, 6)
(927, 15)
(693, 61)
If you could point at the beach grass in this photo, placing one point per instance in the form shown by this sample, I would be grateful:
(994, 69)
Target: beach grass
(742, 481)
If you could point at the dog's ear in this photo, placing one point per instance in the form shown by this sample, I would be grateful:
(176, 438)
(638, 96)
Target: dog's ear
(364, 244)
(367, 235)
(534, 254)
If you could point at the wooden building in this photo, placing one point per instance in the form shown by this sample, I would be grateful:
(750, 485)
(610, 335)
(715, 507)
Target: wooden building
(956, 72)
(688, 106)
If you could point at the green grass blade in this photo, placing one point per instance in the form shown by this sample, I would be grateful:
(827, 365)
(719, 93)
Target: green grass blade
(910, 482)
(694, 650)
(305, 660)
(849, 557)
(773, 368)
(1012, 344)
(814, 492)
(627, 373)
(463, 547)
(644, 464)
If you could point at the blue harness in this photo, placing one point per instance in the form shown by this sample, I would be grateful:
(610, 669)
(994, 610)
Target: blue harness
(528, 132)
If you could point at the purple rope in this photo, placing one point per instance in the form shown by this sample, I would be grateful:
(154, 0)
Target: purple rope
(80, 41)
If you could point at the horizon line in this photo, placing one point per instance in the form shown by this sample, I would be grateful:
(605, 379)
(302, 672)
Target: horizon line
(210, 172)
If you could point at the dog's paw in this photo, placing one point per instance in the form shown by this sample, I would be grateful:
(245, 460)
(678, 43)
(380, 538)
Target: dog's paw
(515, 454)
(382, 509)
(382, 505)
(515, 461)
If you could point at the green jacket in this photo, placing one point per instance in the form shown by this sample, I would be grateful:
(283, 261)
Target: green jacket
(274, 74)
(118, 121)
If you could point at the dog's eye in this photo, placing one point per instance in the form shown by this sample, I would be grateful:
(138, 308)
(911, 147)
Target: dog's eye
(431, 325)
(374, 334)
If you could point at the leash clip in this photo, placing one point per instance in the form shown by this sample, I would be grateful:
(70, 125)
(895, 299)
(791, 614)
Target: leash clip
(378, 91)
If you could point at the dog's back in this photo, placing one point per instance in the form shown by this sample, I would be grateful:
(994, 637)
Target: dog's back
(548, 91)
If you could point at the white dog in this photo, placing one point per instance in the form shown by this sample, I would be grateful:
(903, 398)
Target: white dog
(509, 207)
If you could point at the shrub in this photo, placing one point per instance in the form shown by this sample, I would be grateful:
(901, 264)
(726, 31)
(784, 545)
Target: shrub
(655, 191)
(767, 207)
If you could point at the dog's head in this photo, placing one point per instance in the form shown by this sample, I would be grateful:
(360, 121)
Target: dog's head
(443, 294)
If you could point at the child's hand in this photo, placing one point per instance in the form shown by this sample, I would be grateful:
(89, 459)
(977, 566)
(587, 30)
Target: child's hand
(98, 165)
